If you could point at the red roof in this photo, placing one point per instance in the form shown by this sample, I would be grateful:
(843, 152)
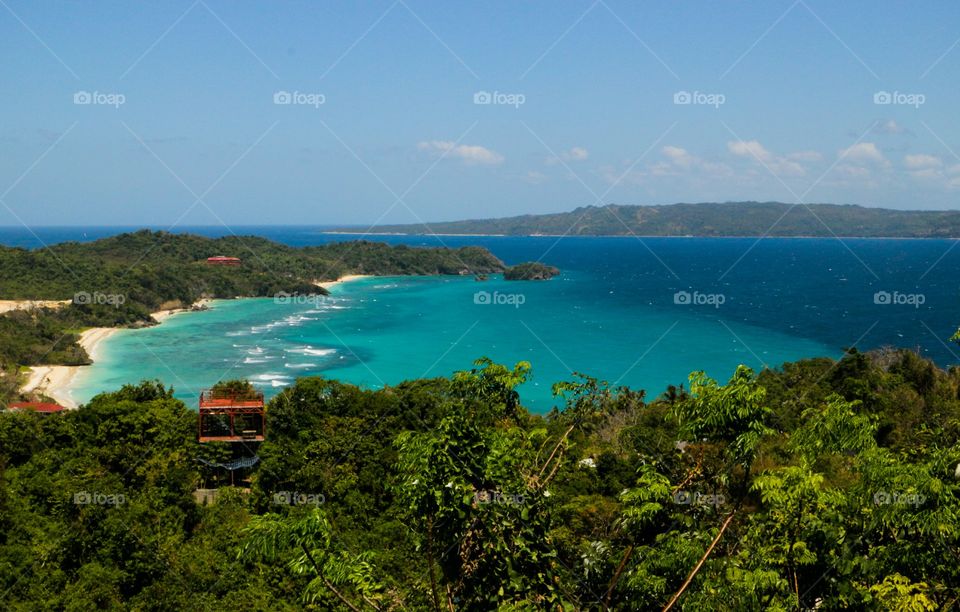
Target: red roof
(222, 259)
(36, 407)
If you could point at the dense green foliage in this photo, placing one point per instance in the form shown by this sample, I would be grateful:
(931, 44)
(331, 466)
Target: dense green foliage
(118, 281)
(712, 219)
(161, 269)
(825, 484)
(531, 270)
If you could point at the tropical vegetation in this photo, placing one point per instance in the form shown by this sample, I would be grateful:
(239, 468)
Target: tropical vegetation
(711, 219)
(824, 484)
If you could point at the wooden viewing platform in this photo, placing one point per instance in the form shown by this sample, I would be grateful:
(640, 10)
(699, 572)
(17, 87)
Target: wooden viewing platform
(231, 418)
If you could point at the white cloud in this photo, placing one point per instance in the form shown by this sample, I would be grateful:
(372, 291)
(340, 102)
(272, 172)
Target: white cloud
(679, 156)
(930, 168)
(534, 178)
(862, 165)
(470, 154)
(680, 162)
(749, 148)
(922, 161)
(863, 152)
(572, 154)
(781, 166)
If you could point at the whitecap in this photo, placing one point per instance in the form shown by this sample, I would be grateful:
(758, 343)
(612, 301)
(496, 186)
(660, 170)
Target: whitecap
(271, 377)
(309, 350)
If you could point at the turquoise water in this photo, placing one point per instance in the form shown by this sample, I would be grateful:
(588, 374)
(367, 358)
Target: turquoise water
(380, 331)
(611, 314)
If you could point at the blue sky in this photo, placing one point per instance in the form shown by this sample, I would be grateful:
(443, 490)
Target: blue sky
(139, 113)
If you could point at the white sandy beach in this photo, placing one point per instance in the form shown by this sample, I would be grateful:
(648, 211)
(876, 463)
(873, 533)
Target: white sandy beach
(342, 279)
(55, 381)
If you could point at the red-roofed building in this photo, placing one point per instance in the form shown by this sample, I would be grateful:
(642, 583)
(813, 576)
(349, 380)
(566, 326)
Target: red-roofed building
(220, 260)
(41, 407)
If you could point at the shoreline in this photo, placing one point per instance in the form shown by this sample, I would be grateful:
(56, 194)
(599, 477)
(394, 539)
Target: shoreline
(690, 236)
(162, 315)
(341, 280)
(57, 381)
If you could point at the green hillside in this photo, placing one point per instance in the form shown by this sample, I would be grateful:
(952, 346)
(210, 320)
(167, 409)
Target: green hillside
(710, 219)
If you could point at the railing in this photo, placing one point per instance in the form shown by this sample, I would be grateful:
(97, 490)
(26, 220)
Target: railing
(219, 399)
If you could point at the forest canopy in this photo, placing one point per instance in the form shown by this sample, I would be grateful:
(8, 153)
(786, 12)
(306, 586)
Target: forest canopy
(823, 484)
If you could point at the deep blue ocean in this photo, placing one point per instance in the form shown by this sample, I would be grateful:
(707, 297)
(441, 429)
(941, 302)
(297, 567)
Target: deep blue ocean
(642, 312)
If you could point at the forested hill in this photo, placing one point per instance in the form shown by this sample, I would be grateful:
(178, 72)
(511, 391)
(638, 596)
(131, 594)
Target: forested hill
(155, 268)
(118, 281)
(710, 219)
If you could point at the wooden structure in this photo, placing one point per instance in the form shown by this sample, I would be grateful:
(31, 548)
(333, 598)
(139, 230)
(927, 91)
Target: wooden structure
(231, 418)
(38, 407)
(220, 260)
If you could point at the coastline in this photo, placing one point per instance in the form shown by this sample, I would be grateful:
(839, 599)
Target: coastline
(341, 280)
(162, 315)
(683, 236)
(56, 382)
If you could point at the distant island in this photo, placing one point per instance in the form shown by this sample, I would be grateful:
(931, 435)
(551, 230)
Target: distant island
(532, 270)
(735, 219)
